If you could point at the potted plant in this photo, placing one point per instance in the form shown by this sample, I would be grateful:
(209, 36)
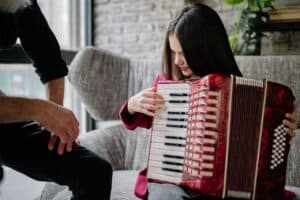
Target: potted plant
(247, 34)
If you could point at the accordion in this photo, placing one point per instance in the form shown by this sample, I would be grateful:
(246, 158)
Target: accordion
(222, 136)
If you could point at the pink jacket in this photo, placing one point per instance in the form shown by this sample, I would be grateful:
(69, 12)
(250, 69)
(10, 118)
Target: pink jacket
(131, 122)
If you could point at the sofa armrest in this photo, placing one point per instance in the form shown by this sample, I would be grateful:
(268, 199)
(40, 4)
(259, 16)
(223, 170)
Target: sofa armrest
(109, 143)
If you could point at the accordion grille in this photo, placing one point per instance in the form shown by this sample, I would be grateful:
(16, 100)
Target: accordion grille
(246, 119)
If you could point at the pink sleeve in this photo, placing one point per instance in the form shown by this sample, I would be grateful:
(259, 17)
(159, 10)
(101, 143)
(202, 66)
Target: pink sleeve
(141, 185)
(131, 122)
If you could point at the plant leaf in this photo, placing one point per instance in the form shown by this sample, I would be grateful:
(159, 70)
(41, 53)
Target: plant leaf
(233, 2)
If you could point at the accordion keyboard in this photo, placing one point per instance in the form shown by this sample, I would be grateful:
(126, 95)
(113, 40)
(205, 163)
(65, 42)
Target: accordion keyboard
(173, 153)
(169, 134)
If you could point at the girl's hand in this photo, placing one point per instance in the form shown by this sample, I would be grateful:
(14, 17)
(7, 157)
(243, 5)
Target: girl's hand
(290, 123)
(146, 102)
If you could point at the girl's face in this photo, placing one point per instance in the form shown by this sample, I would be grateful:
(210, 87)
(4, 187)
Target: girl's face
(178, 57)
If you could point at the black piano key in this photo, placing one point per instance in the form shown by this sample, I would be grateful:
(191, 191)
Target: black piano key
(178, 94)
(172, 163)
(172, 170)
(176, 119)
(176, 113)
(176, 126)
(175, 137)
(173, 144)
(172, 156)
(178, 101)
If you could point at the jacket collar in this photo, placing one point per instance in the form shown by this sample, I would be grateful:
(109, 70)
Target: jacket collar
(11, 6)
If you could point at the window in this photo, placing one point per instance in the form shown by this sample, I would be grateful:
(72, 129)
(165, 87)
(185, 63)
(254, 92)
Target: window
(70, 22)
(58, 14)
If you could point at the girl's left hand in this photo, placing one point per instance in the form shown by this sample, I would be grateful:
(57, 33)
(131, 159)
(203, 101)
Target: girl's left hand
(290, 123)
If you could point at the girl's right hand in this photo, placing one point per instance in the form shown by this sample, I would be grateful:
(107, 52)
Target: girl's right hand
(146, 102)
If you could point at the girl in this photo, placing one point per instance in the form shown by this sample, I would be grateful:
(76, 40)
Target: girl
(196, 45)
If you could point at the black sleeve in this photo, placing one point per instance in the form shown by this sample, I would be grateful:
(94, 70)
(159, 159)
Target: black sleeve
(40, 43)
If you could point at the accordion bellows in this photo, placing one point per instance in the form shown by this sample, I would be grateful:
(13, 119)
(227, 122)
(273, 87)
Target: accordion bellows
(222, 136)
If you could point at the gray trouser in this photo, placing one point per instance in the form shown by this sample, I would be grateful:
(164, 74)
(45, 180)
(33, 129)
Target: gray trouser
(174, 192)
(166, 192)
(171, 192)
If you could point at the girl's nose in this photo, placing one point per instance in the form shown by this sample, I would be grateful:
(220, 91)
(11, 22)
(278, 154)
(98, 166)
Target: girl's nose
(178, 60)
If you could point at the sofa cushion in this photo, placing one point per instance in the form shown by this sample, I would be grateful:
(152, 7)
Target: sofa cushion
(123, 185)
(137, 144)
(123, 148)
(109, 143)
(52, 191)
(123, 188)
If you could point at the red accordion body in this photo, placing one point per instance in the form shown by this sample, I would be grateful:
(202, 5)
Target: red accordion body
(222, 136)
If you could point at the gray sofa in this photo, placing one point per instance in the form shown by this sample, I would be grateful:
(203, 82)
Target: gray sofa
(104, 81)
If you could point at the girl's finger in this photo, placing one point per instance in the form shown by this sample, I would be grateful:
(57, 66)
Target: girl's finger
(147, 112)
(289, 124)
(290, 132)
(290, 116)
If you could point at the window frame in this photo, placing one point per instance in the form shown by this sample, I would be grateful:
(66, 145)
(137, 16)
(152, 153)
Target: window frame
(81, 16)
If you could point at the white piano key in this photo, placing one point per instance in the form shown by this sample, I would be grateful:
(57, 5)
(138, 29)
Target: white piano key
(177, 87)
(161, 158)
(177, 106)
(163, 176)
(153, 163)
(159, 129)
(166, 152)
(165, 116)
(165, 122)
(167, 97)
(163, 147)
(159, 139)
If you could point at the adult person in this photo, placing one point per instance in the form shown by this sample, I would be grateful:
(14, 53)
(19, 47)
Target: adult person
(30, 128)
(196, 45)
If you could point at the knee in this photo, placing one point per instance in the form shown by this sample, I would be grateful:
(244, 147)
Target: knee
(106, 170)
(100, 169)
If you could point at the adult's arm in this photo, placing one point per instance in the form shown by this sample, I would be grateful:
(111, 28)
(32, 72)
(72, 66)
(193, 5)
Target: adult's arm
(55, 90)
(39, 43)
(53, 117)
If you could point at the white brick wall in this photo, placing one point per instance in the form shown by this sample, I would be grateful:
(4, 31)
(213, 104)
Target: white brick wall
(136, 28)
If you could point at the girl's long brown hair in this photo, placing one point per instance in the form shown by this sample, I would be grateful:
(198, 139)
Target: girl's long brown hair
(204, 42)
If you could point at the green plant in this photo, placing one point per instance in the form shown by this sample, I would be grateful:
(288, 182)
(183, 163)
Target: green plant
(247, 35)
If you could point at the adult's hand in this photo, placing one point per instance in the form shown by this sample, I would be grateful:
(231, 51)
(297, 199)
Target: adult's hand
(60, 121)
(55, 93)
(54, 140)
